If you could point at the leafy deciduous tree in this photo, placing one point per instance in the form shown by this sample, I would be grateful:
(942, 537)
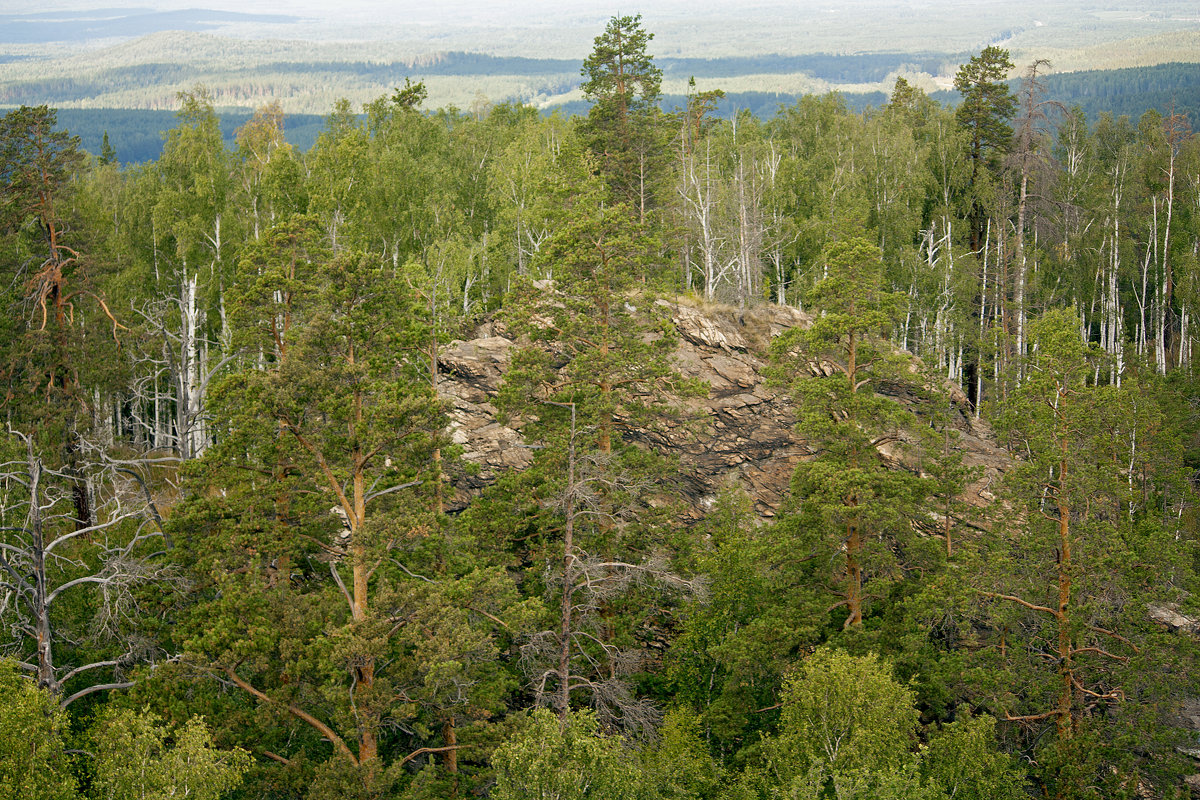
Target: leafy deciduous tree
(136, 757)
(33, 732)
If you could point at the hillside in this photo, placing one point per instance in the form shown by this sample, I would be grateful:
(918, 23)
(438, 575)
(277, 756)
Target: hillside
(748, 436)
(623, 455)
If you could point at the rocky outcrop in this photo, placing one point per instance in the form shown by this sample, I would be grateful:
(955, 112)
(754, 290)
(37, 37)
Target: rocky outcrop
(741, 432)
(1170, 617)
(471, 375)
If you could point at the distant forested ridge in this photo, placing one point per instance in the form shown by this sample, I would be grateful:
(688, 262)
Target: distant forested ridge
(655, 451)
(1121, 92)
(136, 134)
(840, 68)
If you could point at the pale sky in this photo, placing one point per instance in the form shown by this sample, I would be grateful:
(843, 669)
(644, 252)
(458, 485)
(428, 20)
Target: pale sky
(704, 28)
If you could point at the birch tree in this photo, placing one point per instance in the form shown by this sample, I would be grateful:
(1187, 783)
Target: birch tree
(194, 237)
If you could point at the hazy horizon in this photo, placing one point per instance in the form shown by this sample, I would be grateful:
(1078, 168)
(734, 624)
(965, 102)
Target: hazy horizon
(566, 28)
(307, 55)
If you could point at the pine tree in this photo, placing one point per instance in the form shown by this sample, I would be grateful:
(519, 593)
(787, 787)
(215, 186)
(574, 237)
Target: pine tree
(107, 154)
(1070, 618)
(854, 510)
(987, 105)
(329, 435)
(595, 366)
(622, 127)
(44, 366)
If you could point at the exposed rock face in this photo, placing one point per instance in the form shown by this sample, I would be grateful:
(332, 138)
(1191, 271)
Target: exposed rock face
(472, 372)
(1170, 617)
(745, 432)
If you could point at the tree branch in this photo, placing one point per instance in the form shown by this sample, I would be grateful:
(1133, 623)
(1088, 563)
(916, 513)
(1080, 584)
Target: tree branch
(297, 712)
(90, 528)
(389, 490)
(334, 484)
(1029, 717)
(424, 750)
(158, 520)
(86, 667)
(276, 757)
(97, 688)
(1100, 651)
(481, 612)
(1116, 636)
(1018, 601)
(337, 578)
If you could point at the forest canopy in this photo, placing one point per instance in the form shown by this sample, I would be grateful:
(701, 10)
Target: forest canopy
(249, 545)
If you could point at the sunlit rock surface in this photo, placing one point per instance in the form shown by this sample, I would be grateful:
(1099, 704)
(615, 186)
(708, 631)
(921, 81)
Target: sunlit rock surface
(742, 431)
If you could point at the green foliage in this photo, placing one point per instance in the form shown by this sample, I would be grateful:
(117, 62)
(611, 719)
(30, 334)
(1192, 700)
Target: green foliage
(680, 765)
(843, 714)
(987, 104)
(1070, 578)
(852, 511)
(591, 368)
(616, 358)
(334, 164)
(530, 185)
(136, 756)
(729, 659)
(270, 172)
(547, 760)
(300, 599)
(826, 201)
(847, 730)
(620, 73)
(964, 759)
(370, 614)
(43, 264)
(37, 160)
(196, 184)
(34, 764)
(622, 128)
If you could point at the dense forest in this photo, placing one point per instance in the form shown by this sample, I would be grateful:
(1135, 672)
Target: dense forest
(247, 550)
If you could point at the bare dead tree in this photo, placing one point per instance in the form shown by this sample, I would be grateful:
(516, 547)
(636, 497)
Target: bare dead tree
(749, 224)
(178, 357)
(47, 561)
(700, 189)
(577, 658)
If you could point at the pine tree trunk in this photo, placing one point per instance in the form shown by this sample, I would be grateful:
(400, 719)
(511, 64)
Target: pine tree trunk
(854, 543)
(568, 580)
(1064, 722)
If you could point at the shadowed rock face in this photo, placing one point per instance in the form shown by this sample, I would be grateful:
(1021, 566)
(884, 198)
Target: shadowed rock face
(741, 432)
